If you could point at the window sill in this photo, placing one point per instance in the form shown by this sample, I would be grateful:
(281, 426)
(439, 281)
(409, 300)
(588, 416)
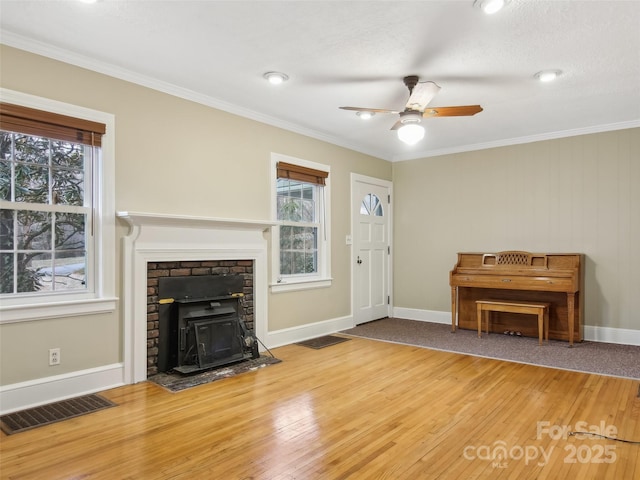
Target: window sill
(28, 313)
(295, 285)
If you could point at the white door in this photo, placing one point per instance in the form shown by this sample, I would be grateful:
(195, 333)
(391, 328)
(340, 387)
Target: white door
(371, 248)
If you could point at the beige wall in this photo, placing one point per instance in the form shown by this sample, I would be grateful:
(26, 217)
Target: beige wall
(84, 342)
(169, 154)
(578, 194)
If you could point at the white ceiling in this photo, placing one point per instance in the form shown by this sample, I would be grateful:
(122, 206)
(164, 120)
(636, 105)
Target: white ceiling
(356, 53)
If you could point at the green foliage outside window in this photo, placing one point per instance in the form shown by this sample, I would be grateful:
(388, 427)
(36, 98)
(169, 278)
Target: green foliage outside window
(41, 248)
(297, 208)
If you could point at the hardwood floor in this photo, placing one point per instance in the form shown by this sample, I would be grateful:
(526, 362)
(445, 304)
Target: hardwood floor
(362, 409)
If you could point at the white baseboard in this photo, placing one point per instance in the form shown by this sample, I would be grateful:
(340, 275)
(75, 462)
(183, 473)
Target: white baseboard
(19, 396)
(622, 336)
(287, 336)
(593, 334)
(432, 316)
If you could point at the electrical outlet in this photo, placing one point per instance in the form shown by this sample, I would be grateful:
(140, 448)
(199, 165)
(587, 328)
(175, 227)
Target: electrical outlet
(54, 356)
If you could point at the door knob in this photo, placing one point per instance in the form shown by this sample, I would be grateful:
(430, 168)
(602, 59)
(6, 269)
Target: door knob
(359, 261)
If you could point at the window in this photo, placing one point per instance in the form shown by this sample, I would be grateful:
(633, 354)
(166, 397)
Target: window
(301, 246)
(298, 211)
(371, 205)
(45, 218)
(53, 235)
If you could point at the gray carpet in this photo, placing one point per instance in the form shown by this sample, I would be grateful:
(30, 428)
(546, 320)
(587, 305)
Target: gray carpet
(592, 357)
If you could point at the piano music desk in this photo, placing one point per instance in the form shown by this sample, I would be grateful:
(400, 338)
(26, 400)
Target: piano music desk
(541, 310)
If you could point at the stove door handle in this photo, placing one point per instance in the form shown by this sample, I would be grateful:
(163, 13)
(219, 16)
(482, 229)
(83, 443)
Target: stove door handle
(183, 338)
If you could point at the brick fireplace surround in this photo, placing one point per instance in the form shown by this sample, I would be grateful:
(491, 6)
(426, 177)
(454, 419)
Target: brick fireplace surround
(157, 270)
(183, 242)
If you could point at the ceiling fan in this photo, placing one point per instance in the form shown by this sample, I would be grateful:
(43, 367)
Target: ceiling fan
(420, 94)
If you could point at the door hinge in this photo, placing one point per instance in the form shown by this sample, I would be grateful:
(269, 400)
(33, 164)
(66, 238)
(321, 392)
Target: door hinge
(388, 249)
(388, 299)
(389, 198)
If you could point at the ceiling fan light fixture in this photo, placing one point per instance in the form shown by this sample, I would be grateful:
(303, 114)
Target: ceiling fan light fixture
(547, 75)
(364, 115)
(276, 78)
(411, 133)
(490, 6)
(408, 127)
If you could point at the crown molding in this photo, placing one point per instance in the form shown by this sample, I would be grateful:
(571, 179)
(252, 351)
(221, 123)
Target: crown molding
(40, 48)
(520, 140)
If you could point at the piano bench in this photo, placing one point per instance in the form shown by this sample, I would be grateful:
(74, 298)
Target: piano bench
(541, 310)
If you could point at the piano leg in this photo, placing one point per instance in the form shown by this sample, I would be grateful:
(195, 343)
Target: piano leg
(454, 310)
(571, 301)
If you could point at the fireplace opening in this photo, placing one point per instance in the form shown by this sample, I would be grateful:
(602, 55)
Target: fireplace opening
(211, 342)
(211, 335)
(201, 321)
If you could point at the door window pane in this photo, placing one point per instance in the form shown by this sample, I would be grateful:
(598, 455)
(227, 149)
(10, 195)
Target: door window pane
(371, 205)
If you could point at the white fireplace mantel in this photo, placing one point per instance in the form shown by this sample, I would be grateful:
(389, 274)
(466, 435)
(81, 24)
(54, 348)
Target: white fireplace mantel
(138, 219)
(169, 238)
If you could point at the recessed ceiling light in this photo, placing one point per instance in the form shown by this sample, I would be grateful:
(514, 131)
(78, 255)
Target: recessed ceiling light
(276, 78)
(490, 6)
(88, 1)
(548, 75)
(365, 115)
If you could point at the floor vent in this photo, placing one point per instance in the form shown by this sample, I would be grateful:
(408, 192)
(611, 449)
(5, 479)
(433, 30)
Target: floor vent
(322, 342)
(53, 412)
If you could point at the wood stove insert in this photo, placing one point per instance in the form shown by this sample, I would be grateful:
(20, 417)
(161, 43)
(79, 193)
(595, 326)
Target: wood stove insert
(201, 325)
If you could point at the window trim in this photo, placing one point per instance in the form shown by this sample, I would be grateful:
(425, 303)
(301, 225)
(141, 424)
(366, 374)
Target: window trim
(102, 299)
(304, 282)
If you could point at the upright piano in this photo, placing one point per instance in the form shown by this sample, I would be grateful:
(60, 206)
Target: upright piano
(556, 278)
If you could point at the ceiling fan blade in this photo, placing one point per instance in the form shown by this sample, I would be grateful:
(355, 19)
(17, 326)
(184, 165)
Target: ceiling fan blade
(396, 125)
(374, 110)
(421, 95)
(461, 111)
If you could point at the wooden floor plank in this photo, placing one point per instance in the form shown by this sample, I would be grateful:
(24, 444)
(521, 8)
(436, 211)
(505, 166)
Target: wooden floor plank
(361, 410)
